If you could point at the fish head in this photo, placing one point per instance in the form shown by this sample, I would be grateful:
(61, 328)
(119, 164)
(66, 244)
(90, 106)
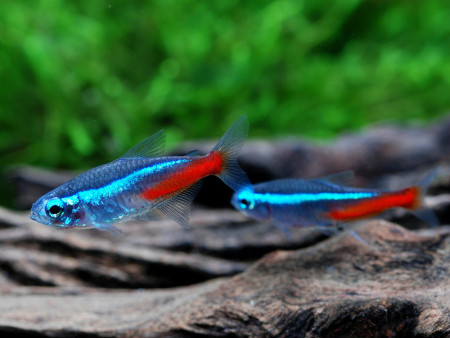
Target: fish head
(58, 211)
(245, 200)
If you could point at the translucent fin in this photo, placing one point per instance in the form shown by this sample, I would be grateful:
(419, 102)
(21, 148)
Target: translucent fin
(342, 178)
(423, 186)
(195, 152)
(285, 228)
(283, 186)
(328, 231)
(339, 227)
(420, 191)
(358, 237)
(229, 146)
(110, 228)
(148, 215)
(427, 216)
(151, 147)
(178, 207)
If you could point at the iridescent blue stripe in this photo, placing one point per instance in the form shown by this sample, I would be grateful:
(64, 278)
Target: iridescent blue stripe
(95, 196)
(311, 197)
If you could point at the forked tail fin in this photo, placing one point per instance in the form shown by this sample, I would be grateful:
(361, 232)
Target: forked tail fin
(426, 215)
(422, 187)
(228, 148)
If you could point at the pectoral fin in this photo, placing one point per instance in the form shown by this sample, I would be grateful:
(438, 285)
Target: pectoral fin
(110, 228)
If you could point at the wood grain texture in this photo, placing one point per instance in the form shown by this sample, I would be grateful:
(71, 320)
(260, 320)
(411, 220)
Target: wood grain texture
(233, 277)
(395, 285)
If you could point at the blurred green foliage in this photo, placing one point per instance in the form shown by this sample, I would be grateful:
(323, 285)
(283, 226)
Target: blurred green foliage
(82, 81)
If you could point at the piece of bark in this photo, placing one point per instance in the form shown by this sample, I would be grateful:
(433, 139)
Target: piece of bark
(154, 254)
(397, 285)
(164, 280)
(148, 254)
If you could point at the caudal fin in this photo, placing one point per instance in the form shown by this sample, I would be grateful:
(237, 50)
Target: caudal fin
(426, 215)
(421, 188)
(228, 147)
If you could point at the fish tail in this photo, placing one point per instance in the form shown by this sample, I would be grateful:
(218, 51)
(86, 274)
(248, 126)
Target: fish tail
(419, 192)
(421, 188)
(227, 151)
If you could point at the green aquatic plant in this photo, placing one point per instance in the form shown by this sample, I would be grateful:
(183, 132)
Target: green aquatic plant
(83, 81)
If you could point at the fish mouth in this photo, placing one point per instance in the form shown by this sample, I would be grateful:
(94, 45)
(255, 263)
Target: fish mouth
(37, 218)
(34, 216)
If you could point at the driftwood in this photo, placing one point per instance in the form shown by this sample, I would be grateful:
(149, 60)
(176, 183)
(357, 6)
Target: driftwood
(397, 284)
(234, 277)
(147, 255)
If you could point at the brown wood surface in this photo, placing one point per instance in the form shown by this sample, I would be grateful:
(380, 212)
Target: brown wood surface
(233, 277)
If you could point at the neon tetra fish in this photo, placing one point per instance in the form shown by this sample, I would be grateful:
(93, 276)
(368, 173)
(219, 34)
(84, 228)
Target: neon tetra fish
(141, 184)
(321, 202)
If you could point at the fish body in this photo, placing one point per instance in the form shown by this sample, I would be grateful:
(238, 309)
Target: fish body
(142, 184)
(321, 202)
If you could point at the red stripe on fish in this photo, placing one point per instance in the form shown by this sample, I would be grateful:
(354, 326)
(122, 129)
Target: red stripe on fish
(198, 168)
(407, 198)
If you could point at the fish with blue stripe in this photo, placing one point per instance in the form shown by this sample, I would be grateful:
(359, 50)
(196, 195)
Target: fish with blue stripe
(325, 202)
(142, 184)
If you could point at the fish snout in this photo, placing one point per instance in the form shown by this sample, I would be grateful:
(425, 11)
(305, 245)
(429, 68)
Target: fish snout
(234, 200)
(34, 216)
(38, 213)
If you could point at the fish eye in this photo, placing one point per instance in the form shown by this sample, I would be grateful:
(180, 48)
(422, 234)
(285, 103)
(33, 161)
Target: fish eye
(245, 203)
(54, 208)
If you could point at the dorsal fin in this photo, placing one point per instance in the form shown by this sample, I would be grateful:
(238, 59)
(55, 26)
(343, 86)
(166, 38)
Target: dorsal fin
(152, 146)
(195, 152)
(342, 178)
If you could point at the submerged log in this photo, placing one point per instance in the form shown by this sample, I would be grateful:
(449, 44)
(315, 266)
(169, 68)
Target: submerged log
(395, 285)
(148, 254)
(233, 277)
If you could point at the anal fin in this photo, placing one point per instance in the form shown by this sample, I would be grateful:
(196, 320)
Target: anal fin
(178, 207)
(148, 215)
(335, 228)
